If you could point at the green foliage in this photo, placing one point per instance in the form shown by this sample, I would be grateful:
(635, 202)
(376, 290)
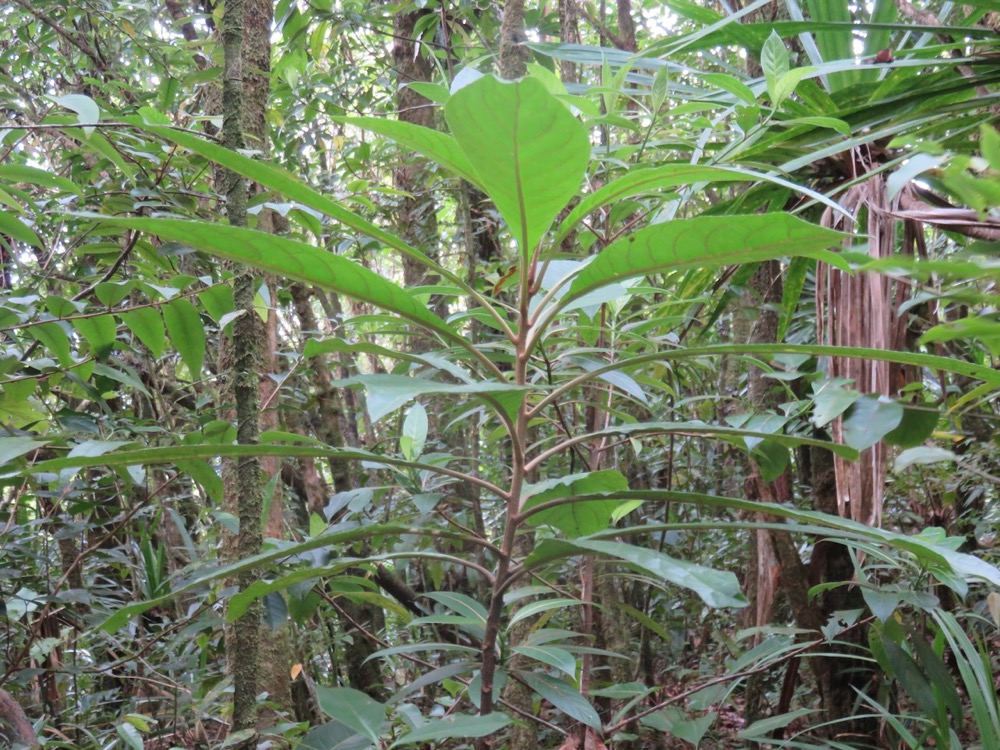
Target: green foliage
(565, 490)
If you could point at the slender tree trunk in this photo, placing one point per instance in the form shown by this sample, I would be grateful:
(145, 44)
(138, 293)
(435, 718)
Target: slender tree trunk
(569, 33)
(514, 55)
(15, 728)
(417, 213)
(243, 647)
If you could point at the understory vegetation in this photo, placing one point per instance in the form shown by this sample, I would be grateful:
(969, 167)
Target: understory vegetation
(555, 375)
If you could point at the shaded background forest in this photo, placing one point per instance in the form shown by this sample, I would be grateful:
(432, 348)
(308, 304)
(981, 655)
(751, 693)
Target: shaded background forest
(393, 465)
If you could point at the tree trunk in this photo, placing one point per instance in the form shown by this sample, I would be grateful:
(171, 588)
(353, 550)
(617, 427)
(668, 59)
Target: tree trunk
(15, 729)
(417, 213)
(243, 384)
(514, 55)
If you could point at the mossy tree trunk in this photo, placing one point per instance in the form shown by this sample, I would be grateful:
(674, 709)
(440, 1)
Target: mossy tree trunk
(243, 386)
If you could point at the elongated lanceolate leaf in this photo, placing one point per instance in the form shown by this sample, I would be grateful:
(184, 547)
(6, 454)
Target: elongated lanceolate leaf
(564, 697)
(456, 726)
(706, 242)
(386, 393)
(34, 176)
(529, 152)
(12, 447)
(437, 146)
(13, 226)
(292, 260)
(717, 588)
(638, 181)
(278, 179)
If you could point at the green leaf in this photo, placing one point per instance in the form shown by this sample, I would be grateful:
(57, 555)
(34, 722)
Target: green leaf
(784, 87)
(100, 333)
(435, 145)
(537, 607)
(386, 393)
(578, 518)
(354, 709)
(675, 721)
(131, 736)
(831, 399)
(791, 293)
(411, 441)
(35, 176)
(85, 107)
(733, 85)
(91, 448)
(640, 181)
(13, 447)
(881, 602)
(922, 455)
(335, 736)
(54, 338)
(14, 227)
(283, 182)
(564, 697)
(774, 61)
(914, 428)
(821, 122)
(125, 376)
(940, 677)
(147, 325)
(461, 603)
(869, 419)
(911, 678)
(772, 459)
(706, 242)
(763, 728)
(454, 727)
(554, 656)
(289, 259)
(529, 152)
(204, 474)
(275, 610)
(187, 333)
(715, 587)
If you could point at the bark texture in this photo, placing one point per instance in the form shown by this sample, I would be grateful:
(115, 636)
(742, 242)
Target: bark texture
(243, 645)
(15, 728)
(514, 55)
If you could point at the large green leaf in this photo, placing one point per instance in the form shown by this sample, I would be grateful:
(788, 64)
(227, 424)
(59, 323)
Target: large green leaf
(14, 227)
(353, 708)
(287, 184)
(12, 447)
(577, 519)
(456, 726)
(716, 588)
(435, 145)
(289, 259)
(645, 181)
(869, 419)
(529, 152)
(386, 393)
(737, 435)
(35, 176)
(706, 242)
(928, 551)
(564, 697)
